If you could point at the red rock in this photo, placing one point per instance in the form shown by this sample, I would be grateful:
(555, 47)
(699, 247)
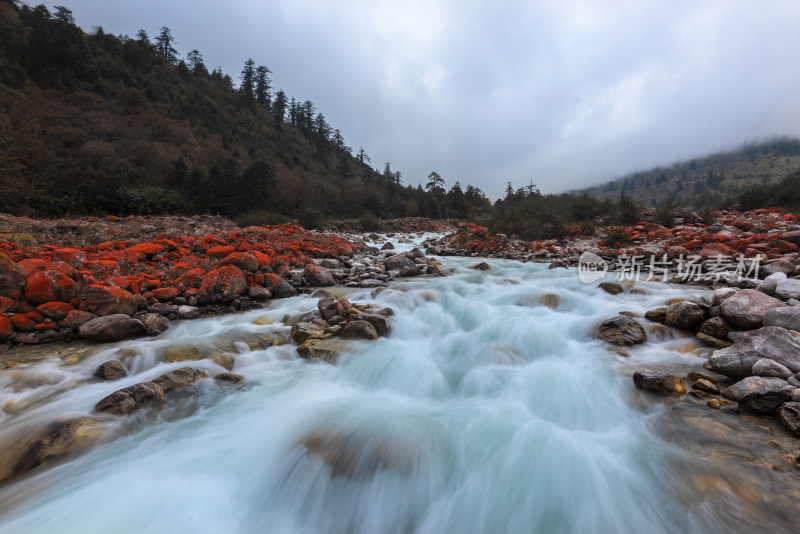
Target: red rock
(166, 293)
(674, 253)
(192, 278)
(11, 276)
(48, 286)
(148, 249)
(32, 265)
(318, 276)
(693, 244)
(75, 318)
(71, 256)
(724, 236)
(222, 285)
(785, 247)
(46, 325)
(245, 261)
(109, 300)
(6, 327)
(713, 250)
(55, 310)
(22, 322)
(220, 251)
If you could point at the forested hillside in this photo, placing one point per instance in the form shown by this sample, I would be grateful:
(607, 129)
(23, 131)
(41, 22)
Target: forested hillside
(103, 124)
(710, 181)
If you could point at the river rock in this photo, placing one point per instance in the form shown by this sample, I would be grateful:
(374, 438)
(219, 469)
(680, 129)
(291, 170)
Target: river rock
(111, 370)
(126, 400)
(658, 315)
(387, 246)
(551, 300)
(283, 289)
(109, 300)
(716, 327)
(57, 440)
(622, 331)
(225, 360)
(183, 354)
(222, 285)
(766, 367)
(359, 329)
(46, 286)
(379, 322)
(482, 266)
(788, 289)
(685, 315)
(179, 378)
(723, 293)
(259, 293)
(356, 456)
(611, 287)
(712, 341)
(772, 342)
(788, 317)
(700, 375)
(706, 385)
(780, 266)
(704, 300)
(659, 382)
(763, 403)
(402, 264)
(789, 415)
(770, 283)
(318, 276)
(76, 318)
(111, 328)
(231, 378)
(188, 312)
(755, 384)
(746, 309)
(327, 350)
(305, 330)
(327, 308)
(154, 323)
(792, 237)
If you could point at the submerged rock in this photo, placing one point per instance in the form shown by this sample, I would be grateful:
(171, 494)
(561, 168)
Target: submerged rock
(131, 398)
(179, 378)
(231, 378)
(111, 370)
(482, 266)
(621, 330)
(551, 300)
(611, 287)
(659, 382)
(59, 439)
(326, 350)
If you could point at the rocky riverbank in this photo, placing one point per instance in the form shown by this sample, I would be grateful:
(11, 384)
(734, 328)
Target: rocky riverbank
(54, 286)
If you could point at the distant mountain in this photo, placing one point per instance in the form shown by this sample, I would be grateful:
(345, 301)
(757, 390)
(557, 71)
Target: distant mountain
(94, 124)
(709, 181)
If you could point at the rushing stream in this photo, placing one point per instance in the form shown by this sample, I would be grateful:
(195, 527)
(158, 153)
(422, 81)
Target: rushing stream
(484, 411)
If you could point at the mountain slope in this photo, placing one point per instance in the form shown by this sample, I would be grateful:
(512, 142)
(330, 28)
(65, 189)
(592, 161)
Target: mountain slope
(708, 181)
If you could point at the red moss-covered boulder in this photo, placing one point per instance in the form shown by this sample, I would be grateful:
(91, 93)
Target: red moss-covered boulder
(164, 294)
(49, 286)
(192, 277)
(55, 310)
(246, 261)
(11, 276)
(280, 287)
(76, 318)
(23, 322)
(222, 285)
(6, 327)
(71, 256)
(714, 250)
(220, 251)
(148, 249)
(318, 276)
(109, 300)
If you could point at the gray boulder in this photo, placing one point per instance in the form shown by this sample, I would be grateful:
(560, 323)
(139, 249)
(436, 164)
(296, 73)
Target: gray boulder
(154, 323)
(359, 329)
(780, 266)
(765, 367)
(789, 416)
(111, 370)
(788, 289)
(111, 328)
(659, 383)
(770, 283)
(764, 403)
(788, 317)
(747, 307)
(401, 263)
(179, 378)
(771, 342)
(755, 384)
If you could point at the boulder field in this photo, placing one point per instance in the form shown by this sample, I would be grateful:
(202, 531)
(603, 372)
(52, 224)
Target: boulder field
(119, 288)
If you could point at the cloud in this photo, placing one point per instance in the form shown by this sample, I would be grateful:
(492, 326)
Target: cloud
(564, 93)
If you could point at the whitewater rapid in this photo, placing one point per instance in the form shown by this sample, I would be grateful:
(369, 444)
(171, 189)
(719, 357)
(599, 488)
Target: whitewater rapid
(491, 413)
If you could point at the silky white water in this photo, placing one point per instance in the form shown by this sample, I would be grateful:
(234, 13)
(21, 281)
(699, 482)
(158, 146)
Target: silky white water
(497, 414)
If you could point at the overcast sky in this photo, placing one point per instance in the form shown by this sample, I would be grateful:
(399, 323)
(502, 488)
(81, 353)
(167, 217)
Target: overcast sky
(566, 93)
